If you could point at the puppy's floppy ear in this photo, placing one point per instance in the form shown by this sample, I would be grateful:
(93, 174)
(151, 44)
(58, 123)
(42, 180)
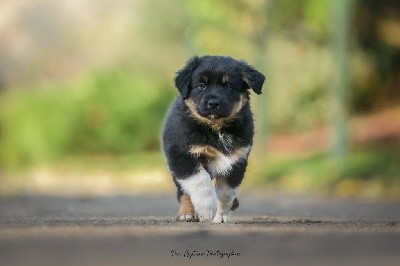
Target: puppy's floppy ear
(184, 76)
(252, 77)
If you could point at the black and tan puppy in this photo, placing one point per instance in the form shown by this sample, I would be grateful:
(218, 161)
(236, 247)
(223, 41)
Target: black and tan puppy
(208, 133)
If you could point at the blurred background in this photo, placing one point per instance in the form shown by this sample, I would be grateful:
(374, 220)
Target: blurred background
(85, 84)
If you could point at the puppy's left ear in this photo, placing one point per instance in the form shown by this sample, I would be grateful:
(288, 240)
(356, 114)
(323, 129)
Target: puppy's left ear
(184, 76)
(252, 77)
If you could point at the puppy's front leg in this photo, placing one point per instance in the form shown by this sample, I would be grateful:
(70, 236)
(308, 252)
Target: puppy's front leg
(202, 193)
(226, 197)
(227, 187)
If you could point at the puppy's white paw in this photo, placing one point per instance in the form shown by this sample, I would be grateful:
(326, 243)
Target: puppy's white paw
(222, 218)
(206, 211)
(218, 219)
(189, 217)
(226, 217)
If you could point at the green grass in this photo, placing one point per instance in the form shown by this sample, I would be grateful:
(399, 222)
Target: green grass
(112, 112)
(375, 167)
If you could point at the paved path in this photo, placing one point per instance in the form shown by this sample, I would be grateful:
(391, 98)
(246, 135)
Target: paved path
(140, 230)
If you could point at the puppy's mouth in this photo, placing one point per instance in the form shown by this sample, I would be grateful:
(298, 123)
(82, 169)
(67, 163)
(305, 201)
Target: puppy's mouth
(213, 116)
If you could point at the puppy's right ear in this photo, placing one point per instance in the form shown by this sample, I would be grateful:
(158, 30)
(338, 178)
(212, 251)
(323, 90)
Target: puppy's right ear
(184, 76)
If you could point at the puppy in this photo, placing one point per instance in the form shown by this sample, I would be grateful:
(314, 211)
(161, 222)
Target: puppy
(208, 134)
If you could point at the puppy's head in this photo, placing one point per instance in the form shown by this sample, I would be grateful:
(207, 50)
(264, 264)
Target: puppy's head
(215, 88)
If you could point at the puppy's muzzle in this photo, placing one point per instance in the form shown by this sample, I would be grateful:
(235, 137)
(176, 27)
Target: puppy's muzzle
(213, 104)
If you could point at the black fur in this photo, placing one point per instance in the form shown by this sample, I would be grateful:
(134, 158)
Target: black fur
(184, 76)
(253, 78)
(207, 81)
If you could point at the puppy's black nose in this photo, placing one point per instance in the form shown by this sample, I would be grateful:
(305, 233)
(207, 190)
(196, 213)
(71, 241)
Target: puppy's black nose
(213, 104)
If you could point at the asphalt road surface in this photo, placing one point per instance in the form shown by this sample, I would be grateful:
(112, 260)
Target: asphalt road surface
(141, 230)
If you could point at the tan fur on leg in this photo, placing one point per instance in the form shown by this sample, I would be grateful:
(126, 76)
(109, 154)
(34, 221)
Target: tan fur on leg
(186, 210)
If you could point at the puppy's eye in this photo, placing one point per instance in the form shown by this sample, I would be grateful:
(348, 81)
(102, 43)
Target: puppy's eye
(201, 86)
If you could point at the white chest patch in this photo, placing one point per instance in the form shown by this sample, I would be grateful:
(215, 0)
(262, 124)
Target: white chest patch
(222, 164)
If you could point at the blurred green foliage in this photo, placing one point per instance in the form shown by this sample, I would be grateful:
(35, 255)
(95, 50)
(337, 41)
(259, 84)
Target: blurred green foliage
(319, 172)
(54, 105)
(108, 112)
